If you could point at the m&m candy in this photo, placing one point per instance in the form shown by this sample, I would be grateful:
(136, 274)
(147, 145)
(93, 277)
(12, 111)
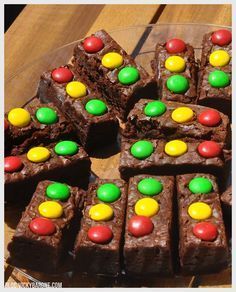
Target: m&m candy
(221, 37)
(209, 118)
(219, 58)
(146, 207)
(150, 186)
(66, 148)
(140, 226)
(142, 149)
(46, 115)
(62, 75)
(219, 79)
(177, 84)
(182, 114)
(176, 148)
(175, 46)
(112, 60)
(175, 64)
(108, 192)
(101, 212)
(128, 75)
(42, 226)
(96, 107)
(206, 231)
(19, 117)
(50, 209)
(100, 234)
(199, 211)
(58, 191)
(12, 164)
(38, 154)
(209, 149)
(76, 89)
(155, 108)
(93, 44)
(200, 185)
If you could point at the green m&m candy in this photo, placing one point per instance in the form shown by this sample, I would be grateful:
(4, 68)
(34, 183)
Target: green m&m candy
(108, 192)
(200, 185)
(155, 109)
(128, 75)
(96, 107)
(177, 84)
(142, 149)
(58, 191)
(150, 186)
(46, 115)
(66, 148)
(218, 79)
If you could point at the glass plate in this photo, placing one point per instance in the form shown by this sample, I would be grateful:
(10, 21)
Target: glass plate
(139, 41)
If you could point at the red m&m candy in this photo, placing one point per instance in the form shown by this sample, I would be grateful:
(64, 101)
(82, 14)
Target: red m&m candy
(93, 44)
(175, 46)
(62, 75)
(100, 234)
(140, 226)
(205, 231)
(210, 118)
(209, 149)
(12, 164)
(42, 226)
(221, 37)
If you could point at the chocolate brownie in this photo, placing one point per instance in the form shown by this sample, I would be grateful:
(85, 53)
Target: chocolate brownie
(163, 74)
(175, 120)
(202, 240)
(226, 197)
(183, 157)
(121, 80)
(216, 97)
(45, 232)
(46, 125)
(148, 237)
(98, 244)
(23, 172)
(94, 120)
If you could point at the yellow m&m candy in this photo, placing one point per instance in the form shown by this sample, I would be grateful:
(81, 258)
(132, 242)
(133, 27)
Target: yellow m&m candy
(19, 117)
(146, 207)
(219, 58)
(112, 60)
(50, 209)
(38, 154)
(182, 114)
(199, 211)
(76, 89)
(176, 148)
(101, 212)
(175, 64)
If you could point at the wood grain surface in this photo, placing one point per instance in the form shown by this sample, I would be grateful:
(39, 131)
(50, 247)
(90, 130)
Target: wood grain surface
(42, 28)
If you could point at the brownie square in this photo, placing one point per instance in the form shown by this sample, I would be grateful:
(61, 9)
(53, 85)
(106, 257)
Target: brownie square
(219, 98)
(93, 130)
(37, 247)
(139, 125)
(120, 96)
(162, 74)
(158, 162)
(101, 258)
(205, 252)
(151, 253)
(19, 139)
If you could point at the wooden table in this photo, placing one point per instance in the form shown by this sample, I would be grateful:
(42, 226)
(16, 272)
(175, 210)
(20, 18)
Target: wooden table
(41, 28)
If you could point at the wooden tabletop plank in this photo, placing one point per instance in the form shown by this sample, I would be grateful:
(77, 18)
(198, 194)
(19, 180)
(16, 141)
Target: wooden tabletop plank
(213, 14)
(41, 28)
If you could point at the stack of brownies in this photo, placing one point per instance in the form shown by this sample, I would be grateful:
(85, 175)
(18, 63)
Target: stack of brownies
(175, 145)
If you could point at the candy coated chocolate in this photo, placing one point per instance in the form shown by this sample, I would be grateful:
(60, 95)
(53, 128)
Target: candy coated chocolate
(142, 149)
(62, 75)
(221, 37)
(100, 234)
(206, 231)
(58, 191)
(46, 115)
(140, 226)
(175, 46)
(12, 164)
(42, 226)
(200, 185)
(155, 109)
(93, 44)
(108, 192)
(210, 118)
(209, 149)
(150, 186)
(128, 75)
(66, 148)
